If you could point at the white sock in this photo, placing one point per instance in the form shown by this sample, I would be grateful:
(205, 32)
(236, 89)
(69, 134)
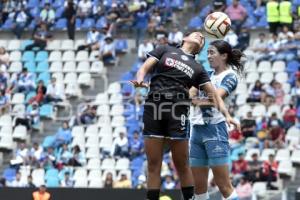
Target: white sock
(203, 196)
(233, 196)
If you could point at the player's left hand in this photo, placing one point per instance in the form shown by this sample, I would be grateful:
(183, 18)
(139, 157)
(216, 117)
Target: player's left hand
(230, 121)
(139, 84)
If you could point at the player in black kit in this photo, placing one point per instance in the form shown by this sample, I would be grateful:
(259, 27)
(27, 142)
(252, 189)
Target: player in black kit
(166, 109)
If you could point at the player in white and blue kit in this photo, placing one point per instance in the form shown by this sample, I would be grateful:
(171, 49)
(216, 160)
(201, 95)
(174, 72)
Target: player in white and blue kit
(209, 147)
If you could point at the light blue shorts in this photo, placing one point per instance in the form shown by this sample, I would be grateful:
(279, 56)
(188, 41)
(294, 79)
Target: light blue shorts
(209, 145)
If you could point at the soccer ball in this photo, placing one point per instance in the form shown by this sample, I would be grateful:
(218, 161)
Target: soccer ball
(217, 24)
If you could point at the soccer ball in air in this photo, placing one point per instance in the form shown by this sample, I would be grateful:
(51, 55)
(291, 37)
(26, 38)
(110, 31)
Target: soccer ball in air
(217, 24)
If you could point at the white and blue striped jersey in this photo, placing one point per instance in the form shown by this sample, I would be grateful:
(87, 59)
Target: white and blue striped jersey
(226, 80)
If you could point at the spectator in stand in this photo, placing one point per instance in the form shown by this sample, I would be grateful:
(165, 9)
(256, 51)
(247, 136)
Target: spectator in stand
(64, 155)
(4, 59)
(67, 181)
(54, 92)
(244, 189)
(23, 82)
(243, 39)
(231, 38)
(142, 183)
(40, 38)
(30, 184)
(254, 168)
(92, 39)
(290, 117)
(175, 36)
(286, 14)
(272, 12)
(124, 182)
(236, 138)
(30, 118)
(107, 51)
(78, 158)
(21, 155)
(18, 182)
(3, 81)
(41, 194)
(98, 10)
(35, 154)
(295, 92)
(40, 93)
(88, 116)
(20, 22)
(70, 15)
(84, 9)
(141, 23)
(270, 172)
(108, 182)
(144, 49)
(4, 103)
(168, 183)
(273, 47)
(288, 49)
(279, 94)
(125, 19)
(248, 125)
(47, 16)
(63, 135)
(120, 146)
(276, 133)
(259, 46)
(238, 14)
(6, 8)
(48, 159)
(256, 92)
(136, 147)
(154, 22)
(270, 89)
(239, 168)
(284, 34)
(218, 6)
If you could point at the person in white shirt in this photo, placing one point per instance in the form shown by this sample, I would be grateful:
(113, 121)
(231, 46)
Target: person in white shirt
(107, 51)
(92, 39)
(120, 146)
(67, 181)
(54, 92)
(47, 15)
(18, 182)
(144, 49)
(21, 156)
(25, 82)
(175, 37)
(84, 9)
(259, 46)
(232, 38)
(20, 19)
(35, 154)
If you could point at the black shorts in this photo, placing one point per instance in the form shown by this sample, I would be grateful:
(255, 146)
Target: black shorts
(166, 119)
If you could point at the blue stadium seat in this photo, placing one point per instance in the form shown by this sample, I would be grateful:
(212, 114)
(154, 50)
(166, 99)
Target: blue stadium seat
(41, 56)
(45, 76)
(35, 12)
(58, 4)
(121, 46)
(137, 163)
(61, 24)
(127, 76)
(51, 173)
(52, 182)
(48, 141)
(292, 66)
(78, 23)
(205, 11)
(250, 22)
(195, 23)
(25, 44)
(101, 23)
(9, 174)
(28, 56)
(178, 4)
(31, 67)
(7, 25)
(32, 3)
(262, 23)
(59, 12)
(42, 67)
(88, 23)
(46, 110)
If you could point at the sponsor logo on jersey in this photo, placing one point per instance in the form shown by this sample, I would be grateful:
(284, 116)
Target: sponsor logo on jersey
(185, 58)
(170, 62)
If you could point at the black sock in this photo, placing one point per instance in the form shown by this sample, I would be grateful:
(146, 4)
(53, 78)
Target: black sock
(187, 192)
(153, 194)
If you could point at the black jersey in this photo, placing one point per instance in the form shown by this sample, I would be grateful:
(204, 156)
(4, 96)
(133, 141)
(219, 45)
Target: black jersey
(175, 73)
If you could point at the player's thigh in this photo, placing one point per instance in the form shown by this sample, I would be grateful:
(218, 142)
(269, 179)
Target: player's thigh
(180, 153)
(154, 152)
(200, 175)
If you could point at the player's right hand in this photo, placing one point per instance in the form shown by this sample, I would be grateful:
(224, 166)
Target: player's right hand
(139, 84)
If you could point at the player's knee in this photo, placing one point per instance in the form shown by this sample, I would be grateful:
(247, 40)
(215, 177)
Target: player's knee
(154, 166)
(182, 167)
(225, 189)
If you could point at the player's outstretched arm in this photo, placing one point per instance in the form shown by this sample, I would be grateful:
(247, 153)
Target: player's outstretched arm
(143, 71)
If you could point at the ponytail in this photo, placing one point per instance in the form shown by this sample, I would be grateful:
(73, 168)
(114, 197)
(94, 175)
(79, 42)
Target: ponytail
(234, 56)
(235, 61)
